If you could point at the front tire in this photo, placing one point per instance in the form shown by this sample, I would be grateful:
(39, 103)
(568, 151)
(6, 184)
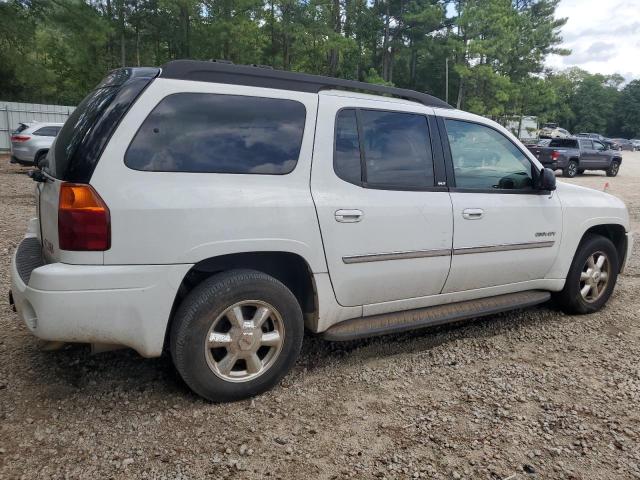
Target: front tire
(613, 169)
(236, 335)
(571, 169)
(591, 278)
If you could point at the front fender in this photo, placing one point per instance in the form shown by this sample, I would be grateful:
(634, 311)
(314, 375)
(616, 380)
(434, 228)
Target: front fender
(583, 209)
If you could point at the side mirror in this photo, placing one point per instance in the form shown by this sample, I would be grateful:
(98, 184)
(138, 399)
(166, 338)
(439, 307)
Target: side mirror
(547, 179)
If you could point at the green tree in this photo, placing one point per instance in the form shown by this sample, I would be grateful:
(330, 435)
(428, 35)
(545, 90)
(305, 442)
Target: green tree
(628, 110)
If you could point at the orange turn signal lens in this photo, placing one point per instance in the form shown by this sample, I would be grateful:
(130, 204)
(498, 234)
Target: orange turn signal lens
(83, 219)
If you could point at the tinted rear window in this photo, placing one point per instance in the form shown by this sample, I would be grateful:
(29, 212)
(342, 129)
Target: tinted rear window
(21, 128)
(213, 133)
(563, 142)
(74, 130)
(79, 144)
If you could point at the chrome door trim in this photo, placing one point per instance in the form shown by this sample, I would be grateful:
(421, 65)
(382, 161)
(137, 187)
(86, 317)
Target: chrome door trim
(503, 247)
(379, 257)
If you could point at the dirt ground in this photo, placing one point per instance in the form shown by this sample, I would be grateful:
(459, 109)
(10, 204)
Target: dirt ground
(528, 394)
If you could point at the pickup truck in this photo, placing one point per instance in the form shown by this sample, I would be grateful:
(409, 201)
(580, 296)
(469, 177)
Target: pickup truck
(575, 155)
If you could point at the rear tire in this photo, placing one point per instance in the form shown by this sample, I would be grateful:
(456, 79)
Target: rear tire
(613, 169)
(589, 285)
(571, 169)
(236, 335)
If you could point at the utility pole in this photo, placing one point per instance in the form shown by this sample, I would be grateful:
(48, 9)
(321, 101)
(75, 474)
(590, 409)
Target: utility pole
(446, 81)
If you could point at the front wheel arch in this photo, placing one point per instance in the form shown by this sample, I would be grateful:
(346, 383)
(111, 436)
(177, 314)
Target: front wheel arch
(614, 232)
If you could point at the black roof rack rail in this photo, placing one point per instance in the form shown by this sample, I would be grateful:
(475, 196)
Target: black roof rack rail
(219, 72)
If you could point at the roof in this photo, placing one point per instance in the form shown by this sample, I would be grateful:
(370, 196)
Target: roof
(266, 77)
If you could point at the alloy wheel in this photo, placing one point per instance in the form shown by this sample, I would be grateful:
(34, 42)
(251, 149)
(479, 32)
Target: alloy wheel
(244, 341)
(594, 277)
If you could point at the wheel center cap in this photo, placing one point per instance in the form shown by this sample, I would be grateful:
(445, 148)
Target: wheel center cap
(246, 340)
(596, 275)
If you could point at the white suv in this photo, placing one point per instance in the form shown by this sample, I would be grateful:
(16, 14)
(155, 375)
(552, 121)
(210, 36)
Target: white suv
(217, 210)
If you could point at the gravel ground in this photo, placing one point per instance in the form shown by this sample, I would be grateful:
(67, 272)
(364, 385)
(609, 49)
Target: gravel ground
(528, 394)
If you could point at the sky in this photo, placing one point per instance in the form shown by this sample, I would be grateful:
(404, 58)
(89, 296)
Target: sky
(603, 36)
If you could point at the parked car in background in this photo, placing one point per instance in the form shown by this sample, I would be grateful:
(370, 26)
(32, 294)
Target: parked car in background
(636, 143)
(30, 142)
(551, 130)
(575, 155)
(624, 144)
(217, 210)
(609, 143)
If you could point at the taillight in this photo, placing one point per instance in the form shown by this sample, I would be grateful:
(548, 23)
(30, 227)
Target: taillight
(83, 219)
(20, 138)
(555, 154)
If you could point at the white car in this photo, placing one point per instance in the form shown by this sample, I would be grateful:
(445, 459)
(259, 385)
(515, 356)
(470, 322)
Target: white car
(218, 211)
(551, 130)
(30, 142)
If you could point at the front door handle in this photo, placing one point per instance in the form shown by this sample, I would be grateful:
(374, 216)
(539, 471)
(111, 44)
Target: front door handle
(348, 216)
(472, 213)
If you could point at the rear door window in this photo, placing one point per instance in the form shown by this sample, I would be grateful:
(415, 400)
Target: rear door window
(382, 149)
(586, 145)
(213, 133)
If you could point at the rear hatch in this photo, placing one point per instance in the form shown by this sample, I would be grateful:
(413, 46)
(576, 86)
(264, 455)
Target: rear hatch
(77, 149)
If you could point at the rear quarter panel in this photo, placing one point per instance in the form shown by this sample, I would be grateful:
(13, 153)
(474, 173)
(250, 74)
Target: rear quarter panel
(169, 217)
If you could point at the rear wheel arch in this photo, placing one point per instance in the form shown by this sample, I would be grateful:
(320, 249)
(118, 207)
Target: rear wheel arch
(289, 268)
(40, 154)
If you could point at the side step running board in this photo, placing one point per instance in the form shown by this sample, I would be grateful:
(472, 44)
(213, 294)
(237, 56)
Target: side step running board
(425, 317)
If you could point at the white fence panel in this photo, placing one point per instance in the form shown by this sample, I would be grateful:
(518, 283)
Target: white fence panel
(13, 113)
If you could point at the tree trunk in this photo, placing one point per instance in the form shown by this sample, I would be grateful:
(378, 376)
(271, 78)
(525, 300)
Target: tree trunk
(121, 25)
(413, 63)
(334, 54)
(460, 92)
(137, 45)
(386, 54)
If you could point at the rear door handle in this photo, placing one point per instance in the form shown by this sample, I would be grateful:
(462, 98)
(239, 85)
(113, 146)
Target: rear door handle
(348, 216)
(472, 213)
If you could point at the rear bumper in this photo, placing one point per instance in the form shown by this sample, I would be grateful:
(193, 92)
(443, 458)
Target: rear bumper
(22, 154)
(125, 305)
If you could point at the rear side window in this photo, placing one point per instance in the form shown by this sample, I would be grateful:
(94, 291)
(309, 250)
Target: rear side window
(586, 144)
(212, 133)
(47, 131)
(389, 150)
